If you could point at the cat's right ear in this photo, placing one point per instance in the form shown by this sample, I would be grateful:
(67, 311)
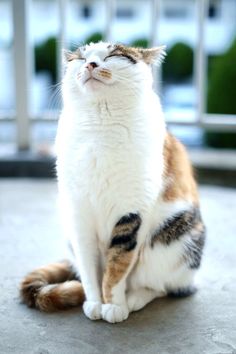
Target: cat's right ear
(67, 56)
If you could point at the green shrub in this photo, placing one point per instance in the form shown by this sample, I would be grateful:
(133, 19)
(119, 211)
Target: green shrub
(140, 43)
(45, 54)
(94, 37)
(225, 140)
(46, 57)
(221, 95)
(178, 64)
(221, 87)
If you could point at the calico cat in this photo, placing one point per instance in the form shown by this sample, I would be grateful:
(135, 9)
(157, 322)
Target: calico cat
(128, 199)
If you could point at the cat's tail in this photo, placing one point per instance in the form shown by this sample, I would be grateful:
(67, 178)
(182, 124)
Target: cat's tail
(53, 287)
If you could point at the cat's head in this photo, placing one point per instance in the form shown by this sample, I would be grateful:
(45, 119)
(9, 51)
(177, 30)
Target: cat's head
(104, 68)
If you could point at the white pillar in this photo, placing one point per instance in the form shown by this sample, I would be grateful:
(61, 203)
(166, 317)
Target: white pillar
(110, 15)
(22, 67)
(200, 60)
(155, 21)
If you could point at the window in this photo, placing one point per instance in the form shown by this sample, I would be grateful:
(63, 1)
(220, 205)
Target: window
(213, 9)
(176, 12)
(86, 11)
(124, 12)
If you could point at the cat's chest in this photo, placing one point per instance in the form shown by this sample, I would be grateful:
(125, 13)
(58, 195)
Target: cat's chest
(95, 168)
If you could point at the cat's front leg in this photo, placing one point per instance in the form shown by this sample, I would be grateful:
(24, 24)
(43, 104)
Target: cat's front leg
(79, 226)
(86, 252)
(121, 258)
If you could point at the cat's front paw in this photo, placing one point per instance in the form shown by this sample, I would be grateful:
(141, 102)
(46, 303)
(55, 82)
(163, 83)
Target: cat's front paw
(114, 313)
(93, 310)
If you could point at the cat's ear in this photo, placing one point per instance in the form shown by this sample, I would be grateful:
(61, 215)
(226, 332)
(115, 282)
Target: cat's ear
(153, 55)
(67, 56)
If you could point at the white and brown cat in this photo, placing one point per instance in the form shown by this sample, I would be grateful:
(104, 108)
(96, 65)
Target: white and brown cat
(127, 195)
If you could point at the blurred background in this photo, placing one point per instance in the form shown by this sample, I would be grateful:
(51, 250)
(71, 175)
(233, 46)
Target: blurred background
(196, 82)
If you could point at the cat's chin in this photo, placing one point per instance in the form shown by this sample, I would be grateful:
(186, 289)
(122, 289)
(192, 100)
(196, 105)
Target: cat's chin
(93, 84)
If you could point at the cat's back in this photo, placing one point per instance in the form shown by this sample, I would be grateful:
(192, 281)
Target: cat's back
(178, 177)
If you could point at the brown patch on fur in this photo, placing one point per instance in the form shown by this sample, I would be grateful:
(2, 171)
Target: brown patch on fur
(35, 284)
(104, 73)
(118, 263)
(122, 49)
(60, 297)
(178, 173)
(149, 56)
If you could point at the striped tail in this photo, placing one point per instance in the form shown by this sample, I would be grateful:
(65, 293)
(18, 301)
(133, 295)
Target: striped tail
(53, 287)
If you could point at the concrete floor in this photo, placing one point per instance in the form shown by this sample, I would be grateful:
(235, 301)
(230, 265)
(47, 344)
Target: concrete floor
(30, 236)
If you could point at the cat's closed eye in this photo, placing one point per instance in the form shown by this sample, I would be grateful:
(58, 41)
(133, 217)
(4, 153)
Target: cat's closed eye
(126, 56)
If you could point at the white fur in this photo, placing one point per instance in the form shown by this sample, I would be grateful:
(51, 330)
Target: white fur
(110, 162)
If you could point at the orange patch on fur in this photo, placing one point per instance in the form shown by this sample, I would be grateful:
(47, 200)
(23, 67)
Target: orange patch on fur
(178, 173)
(40, 288)
(105, 73)
(118, 263)
(60, 297)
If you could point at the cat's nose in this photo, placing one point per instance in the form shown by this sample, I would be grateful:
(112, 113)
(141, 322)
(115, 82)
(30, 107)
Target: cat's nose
(91, 66)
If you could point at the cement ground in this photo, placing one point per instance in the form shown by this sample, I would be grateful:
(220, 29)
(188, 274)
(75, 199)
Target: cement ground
(30, 236)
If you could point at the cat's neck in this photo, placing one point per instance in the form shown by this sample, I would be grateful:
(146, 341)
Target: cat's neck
(123, 108)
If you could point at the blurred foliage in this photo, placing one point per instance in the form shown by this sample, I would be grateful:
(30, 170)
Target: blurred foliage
(225, 140)
(221, 87)
(94, 37)
(221, 95)
(178, 64)
(46, 57)
(178, 67)
(45, 54)
(140, 43)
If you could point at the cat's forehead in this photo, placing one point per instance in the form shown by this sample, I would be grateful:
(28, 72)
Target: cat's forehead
(100, 49)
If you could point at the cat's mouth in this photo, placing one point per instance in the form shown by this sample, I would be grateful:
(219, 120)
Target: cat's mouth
(92, 78)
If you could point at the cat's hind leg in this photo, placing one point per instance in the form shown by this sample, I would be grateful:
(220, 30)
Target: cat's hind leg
(122, 255)
(139, 298)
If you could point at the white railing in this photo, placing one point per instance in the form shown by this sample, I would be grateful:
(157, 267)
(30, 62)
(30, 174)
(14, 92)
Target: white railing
(23, 65)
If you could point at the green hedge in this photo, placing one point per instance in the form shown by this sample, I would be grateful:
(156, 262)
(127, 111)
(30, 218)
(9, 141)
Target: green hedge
(221, 87)
(178, 64)
(46, 57)
(94, 37)
(140, 43)
(45, 54)
(221, 95)
(178, 67)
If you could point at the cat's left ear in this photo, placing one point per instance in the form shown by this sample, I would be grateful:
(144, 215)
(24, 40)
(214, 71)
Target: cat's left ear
(153, 55)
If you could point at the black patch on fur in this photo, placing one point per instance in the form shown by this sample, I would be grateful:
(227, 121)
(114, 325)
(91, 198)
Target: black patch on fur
(173, 228)
(128, 243)
(126, 240)
(129, 218)
(182, 292)
(194, 249)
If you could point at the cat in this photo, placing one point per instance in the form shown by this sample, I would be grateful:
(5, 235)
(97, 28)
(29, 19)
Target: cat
(128, 198)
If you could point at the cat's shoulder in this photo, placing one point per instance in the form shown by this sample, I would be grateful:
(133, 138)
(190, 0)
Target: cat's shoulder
(178, 171)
